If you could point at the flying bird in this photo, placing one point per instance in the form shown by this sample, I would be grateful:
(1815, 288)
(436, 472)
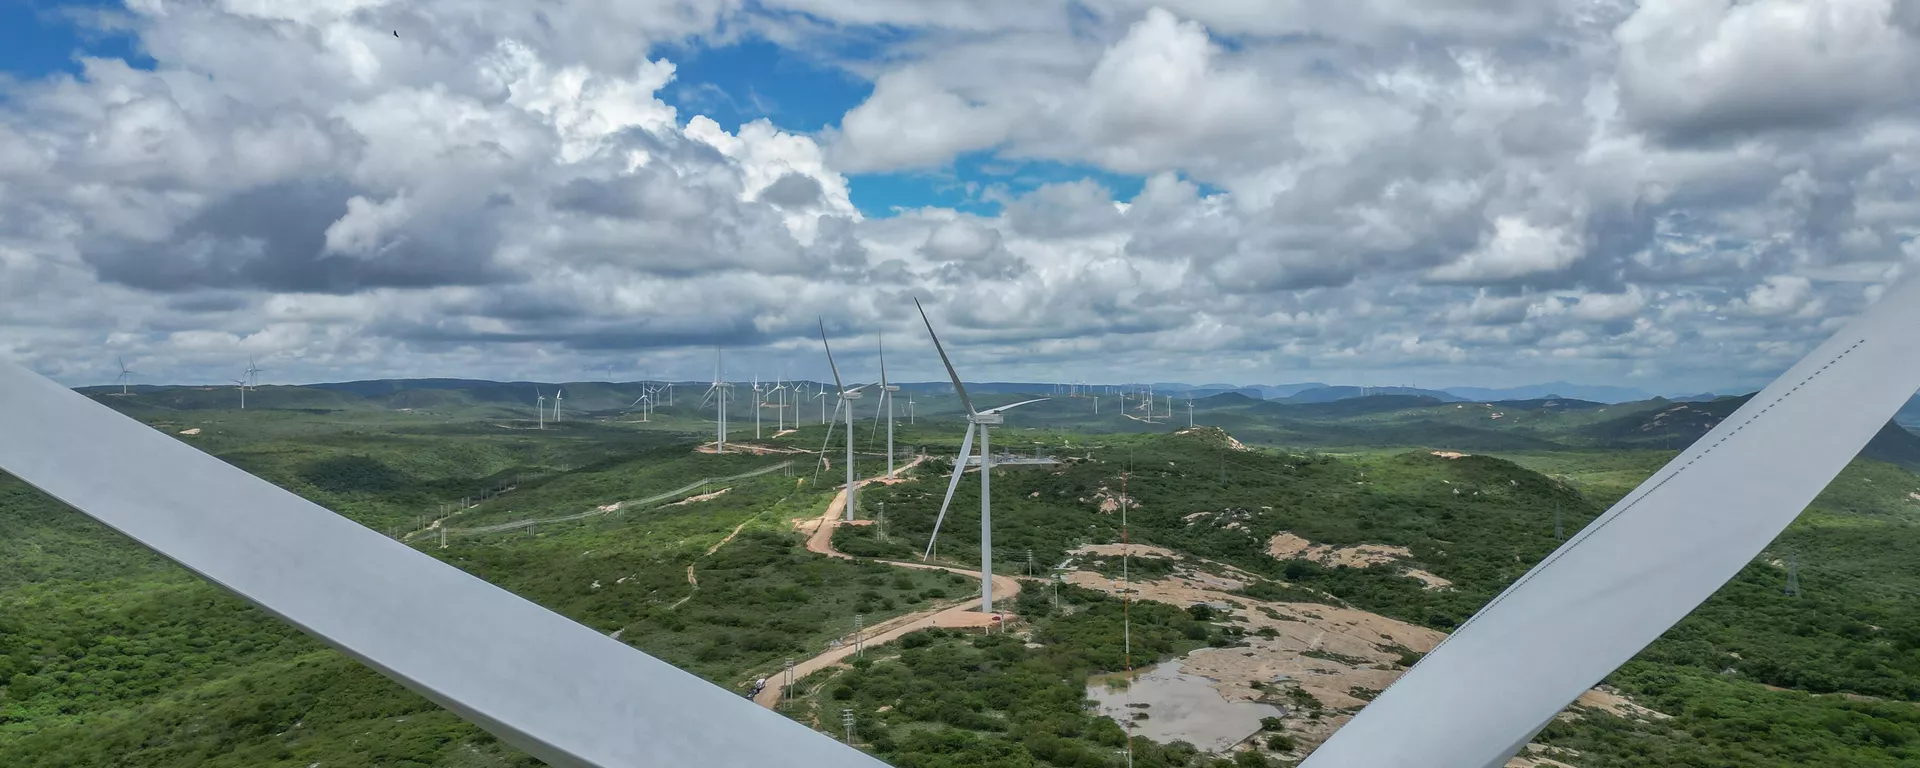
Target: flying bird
(396, 33)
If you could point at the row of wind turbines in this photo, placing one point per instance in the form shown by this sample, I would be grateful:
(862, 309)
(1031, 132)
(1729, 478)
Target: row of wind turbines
(978, 422)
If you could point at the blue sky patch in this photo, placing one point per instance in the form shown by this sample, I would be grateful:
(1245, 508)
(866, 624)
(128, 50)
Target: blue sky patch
(755, 78)
(39, 38)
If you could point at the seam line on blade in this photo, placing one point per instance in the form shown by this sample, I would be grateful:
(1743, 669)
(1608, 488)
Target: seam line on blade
(1627, 506)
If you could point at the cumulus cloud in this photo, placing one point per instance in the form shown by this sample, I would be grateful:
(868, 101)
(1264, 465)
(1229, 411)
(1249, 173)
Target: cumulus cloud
(1555, 190)
(1693, 69)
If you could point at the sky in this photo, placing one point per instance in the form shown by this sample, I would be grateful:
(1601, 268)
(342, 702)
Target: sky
(1674, 195)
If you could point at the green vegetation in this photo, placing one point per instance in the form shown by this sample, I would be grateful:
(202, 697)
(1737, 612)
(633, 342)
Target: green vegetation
(112, 656)
(941, 698)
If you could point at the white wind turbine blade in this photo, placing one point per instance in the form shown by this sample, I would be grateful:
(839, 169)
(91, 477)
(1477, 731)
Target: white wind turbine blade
(957, 386)
(1005, 408)
(1637, 570)
(959, 467)
(830, 365)
(828, 440)
(564, 693)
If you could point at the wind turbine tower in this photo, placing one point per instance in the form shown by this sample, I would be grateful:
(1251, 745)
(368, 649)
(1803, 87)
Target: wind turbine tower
(847, 396)
(540, 407)
(719, 393)
(984, 422)
(886, 397)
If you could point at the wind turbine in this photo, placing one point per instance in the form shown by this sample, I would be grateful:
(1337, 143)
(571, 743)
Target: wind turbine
(758, 405)
(1189, 412)
(540, 407)
(886, 400)
(125, 375)
(910, 418)
(557, 394)
(253, 373)
(847, 396)
(718, 391)
(984, 421)
(779, 392)
(242, 386)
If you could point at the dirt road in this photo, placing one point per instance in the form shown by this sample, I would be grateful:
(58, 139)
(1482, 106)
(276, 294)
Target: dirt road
(961, 613)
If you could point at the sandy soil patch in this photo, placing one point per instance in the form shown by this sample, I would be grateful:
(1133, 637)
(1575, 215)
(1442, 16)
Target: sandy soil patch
(701, 497)
(1914, 496)
(1116, 550)
(1286, 546)
(1110, 502)
(196, 430)
(1340, 657)
(608, 508)
(1431, 581)
(1608, 700)
(1450, 454)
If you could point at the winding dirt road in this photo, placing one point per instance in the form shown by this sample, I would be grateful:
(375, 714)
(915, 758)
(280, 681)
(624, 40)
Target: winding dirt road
(961, 613)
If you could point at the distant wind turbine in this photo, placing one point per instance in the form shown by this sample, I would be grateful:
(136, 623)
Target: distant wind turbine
(241, 384)
(718, 391)
(540, 407)
(886, 401)
(984, 421)
(125, 375)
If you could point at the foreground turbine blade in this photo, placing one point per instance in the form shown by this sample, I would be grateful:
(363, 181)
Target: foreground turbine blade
(1641, 567)
(959, 466)
(565, 693)
(957, 386)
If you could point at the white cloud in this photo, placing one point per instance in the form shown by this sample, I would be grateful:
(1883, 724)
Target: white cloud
(1470, 188)
(912, 122)
(1779, 295)
(1515, 248)
(1717, 66)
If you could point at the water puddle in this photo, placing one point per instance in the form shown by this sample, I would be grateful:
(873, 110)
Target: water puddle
(1181, 707)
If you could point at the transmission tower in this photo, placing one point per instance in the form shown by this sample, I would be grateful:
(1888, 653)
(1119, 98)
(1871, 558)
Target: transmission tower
(1793, 574)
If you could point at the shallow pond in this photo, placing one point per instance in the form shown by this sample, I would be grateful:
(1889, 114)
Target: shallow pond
(1181, 707)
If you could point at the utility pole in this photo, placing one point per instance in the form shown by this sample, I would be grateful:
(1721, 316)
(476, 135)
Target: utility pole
(859, 648)
(846, 717)
(787, 688)
(1793, 574)
(1558, 532)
